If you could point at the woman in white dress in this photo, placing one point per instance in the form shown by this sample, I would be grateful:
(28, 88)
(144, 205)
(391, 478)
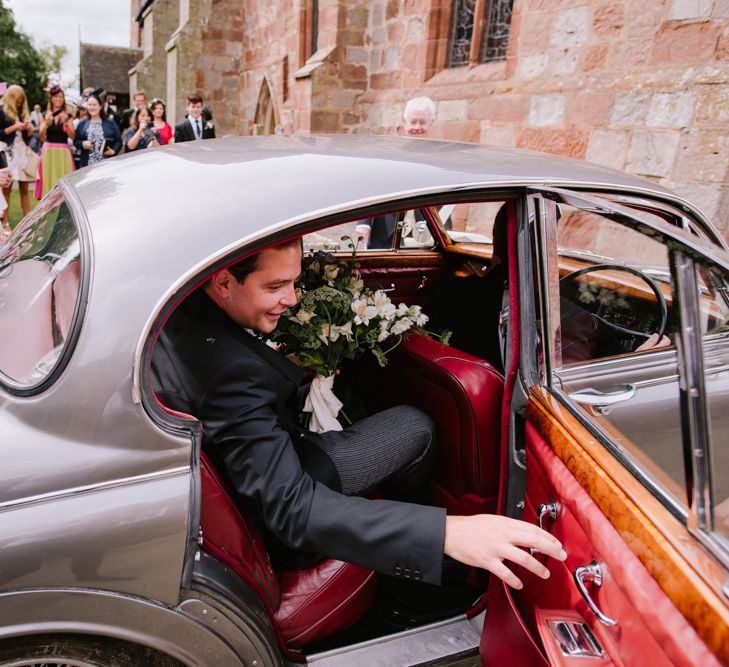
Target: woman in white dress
(15, 133)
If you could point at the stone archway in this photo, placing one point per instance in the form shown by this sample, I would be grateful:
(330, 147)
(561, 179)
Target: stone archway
(266, 118)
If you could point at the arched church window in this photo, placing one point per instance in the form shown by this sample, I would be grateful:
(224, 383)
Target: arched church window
(479, 31)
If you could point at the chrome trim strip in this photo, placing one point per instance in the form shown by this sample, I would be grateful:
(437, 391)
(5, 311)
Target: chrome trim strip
(696, 445)
(426, 645)
(92, 488)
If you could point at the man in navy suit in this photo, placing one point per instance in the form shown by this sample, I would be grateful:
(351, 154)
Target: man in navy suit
(194, 127)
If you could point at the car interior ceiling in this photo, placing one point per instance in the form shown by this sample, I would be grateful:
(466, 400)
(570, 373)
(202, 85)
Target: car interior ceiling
(461, 387)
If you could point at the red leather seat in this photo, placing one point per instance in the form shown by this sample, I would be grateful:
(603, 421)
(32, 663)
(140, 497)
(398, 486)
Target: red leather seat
(306, 605)
(463, 395)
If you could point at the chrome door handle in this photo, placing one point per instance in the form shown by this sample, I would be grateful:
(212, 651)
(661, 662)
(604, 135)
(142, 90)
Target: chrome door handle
(391, 288)
(611, 396)
(591, 574)
(545, 510)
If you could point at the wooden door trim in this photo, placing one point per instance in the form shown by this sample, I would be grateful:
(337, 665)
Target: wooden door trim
(687, 574)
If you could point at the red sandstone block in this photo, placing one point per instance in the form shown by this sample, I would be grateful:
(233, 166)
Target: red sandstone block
(722, 48)
(352, 37)
(499, 109)
(457, 130)
(608, 19)
(392, 10)
(593, 57)
(572, 143)
(589, 109)
(624, 55)
(395, 31)
(684, 44)
(325, 121)
(545, 5)
(534, 33)
(384, 80)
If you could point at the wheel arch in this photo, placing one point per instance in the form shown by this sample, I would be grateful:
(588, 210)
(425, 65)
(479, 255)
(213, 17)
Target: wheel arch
(107, 614)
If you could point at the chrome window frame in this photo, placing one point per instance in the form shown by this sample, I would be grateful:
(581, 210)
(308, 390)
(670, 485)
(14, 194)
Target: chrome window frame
(78, 217)
(684, 250)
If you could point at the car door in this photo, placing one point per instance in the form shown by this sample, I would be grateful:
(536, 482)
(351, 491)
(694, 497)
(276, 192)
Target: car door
(625, 446)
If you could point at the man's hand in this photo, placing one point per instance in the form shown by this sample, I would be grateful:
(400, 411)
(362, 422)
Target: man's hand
(6, 178)
(485, 540)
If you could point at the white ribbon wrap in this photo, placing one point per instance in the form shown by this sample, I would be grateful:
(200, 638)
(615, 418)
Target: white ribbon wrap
(323, 405)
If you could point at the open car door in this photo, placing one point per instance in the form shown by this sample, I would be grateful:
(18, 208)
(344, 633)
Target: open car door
(617, 439)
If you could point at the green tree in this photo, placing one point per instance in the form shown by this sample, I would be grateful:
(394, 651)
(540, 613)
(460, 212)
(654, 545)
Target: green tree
(19, 61)
(53, 55)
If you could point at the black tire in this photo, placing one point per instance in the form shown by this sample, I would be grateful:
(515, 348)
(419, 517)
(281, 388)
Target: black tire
(79, 651)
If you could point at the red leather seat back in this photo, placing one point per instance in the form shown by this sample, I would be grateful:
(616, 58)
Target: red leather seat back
(463, 396)
(228, 536)
(309, 604)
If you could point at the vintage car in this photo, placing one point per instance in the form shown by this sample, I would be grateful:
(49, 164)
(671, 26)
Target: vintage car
(585, 388)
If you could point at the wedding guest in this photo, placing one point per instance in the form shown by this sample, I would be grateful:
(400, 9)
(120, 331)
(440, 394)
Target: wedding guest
(36, 116)
(55, 132)
(96, 137)
(194, 127)
(142, 133)
(159, 115)
(139, 100)
(418, 116)
(16, 131)
(6, 180)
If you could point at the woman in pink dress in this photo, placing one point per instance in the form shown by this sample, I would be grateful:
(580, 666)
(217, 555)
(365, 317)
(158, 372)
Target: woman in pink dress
(159, 116)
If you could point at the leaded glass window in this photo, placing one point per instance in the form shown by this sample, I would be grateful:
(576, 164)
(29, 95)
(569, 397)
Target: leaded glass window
(479, 31)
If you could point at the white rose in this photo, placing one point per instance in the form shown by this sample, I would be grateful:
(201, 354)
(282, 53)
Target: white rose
(303, 316)
(331, 271)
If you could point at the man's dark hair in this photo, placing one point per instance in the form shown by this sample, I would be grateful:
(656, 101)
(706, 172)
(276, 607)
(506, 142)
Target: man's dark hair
(241, 270)
(194, 99)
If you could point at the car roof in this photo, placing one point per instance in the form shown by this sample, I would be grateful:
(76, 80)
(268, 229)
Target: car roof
(195, 198)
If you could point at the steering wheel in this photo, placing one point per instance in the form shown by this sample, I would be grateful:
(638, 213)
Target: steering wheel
(662, 317)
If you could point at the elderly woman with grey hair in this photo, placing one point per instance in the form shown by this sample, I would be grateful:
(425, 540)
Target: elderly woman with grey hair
(418, 116)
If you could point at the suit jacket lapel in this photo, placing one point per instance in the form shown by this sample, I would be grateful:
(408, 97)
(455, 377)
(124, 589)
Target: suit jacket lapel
(203, 307)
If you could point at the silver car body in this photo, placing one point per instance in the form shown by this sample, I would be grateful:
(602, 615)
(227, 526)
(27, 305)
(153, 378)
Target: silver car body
(98, 503)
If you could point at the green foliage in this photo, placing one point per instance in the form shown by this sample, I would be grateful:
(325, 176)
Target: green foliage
(53, 56)
(19, 61)
(337, 317)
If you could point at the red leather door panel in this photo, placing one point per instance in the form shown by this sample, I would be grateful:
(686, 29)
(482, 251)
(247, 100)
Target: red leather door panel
(649, 629)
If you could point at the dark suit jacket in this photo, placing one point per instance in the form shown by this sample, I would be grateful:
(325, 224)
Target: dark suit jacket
(245, 395)
(184, 131)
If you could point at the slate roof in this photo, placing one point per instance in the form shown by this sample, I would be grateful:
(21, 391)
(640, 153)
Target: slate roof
(107, 66)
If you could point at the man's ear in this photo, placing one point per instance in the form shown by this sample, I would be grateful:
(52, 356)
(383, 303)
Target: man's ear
(220, 283)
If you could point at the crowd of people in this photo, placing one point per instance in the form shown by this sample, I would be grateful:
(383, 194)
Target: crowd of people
(43, 146)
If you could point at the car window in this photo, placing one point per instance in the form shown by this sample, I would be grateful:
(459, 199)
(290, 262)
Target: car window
(377, 233)
(39, 288)
(470, 222)
(614, 290)
(714, 313)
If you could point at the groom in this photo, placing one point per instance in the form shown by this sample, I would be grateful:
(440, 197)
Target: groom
(307, 488)
(194, 127)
